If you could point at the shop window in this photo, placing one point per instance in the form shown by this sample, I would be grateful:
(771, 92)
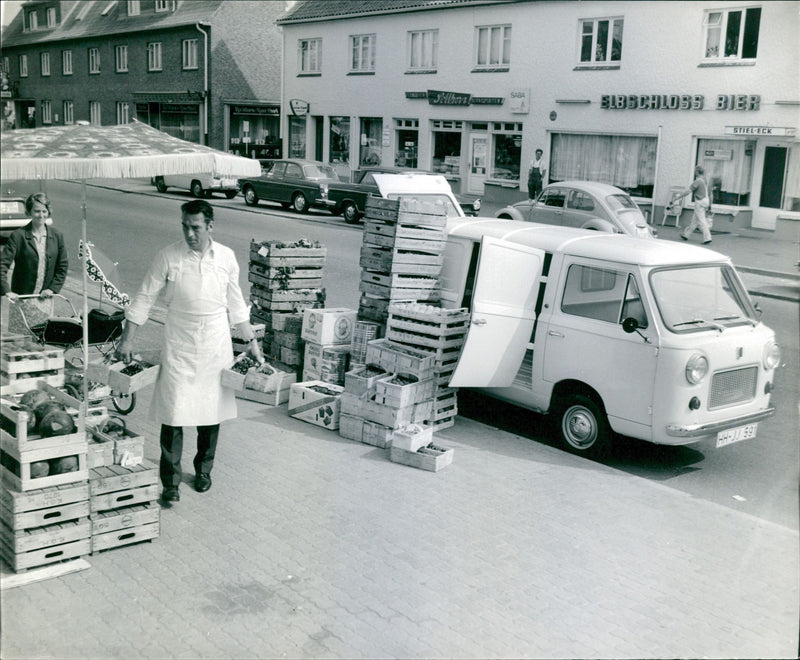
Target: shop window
(493, 47)
(255, 131)
(94, 60)
(369, 152)
(446, 147)
(189, 54)
(423, 50)
(362, 49)
(154, 56)
(121, 58)
(627, 162)
(123, 112)
(181, 120)
(728, 166)
(601, 40)
(297, 137)
(732, 34)
(507, 154)
(309, 55)
(340, 140)
(68, 108)
(45, 63)
(407, 134)
(66, 62)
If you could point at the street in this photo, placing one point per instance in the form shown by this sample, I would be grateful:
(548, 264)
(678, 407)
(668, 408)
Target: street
(758, 477)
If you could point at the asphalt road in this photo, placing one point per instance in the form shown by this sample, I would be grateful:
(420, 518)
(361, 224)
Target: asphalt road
(758, 477)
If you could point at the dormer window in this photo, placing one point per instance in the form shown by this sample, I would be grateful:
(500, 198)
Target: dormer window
(134, 8)
(162, 5)
(33, 21)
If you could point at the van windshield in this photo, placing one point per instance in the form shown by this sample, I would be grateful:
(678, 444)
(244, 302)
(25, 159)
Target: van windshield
(450, 208)
(697, 298)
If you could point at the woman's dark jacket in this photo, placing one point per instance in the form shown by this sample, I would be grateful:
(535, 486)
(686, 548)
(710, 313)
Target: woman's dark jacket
(20, 250)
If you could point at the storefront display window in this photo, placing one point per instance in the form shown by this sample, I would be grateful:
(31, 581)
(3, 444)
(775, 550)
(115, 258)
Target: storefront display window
(340, 140)
(181, 121)
(297, 137)
(791, 199)
(507, 152)
(627, 162)
(729, 169)
(446, 147)
(370, 141)
(254, 130)
(407, 144)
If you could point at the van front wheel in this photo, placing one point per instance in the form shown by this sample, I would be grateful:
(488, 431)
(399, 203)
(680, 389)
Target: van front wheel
(583, 427)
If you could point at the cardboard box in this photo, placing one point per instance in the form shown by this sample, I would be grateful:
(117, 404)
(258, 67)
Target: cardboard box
(316, 402)
(327, 326)
(326, 362)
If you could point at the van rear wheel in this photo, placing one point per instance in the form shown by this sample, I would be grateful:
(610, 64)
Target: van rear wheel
(583, 427)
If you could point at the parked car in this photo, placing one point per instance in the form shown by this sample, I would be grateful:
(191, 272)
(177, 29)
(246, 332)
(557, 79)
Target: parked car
(294, 183)
(350, 198)
(200, 185)
(431, 188)
(12, 215)
(583, 204)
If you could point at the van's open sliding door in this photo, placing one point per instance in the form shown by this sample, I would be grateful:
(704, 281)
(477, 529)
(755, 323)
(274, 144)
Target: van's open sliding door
(503, 313)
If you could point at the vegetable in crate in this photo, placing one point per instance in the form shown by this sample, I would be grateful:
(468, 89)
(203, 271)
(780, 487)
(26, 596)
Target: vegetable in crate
(43, 408)
(34, 398)
(56, 422)
(244, 365)
(39, 469)
(134, 368)
(63, 465)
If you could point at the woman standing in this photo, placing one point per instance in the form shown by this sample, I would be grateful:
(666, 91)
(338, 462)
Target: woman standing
(37, 253)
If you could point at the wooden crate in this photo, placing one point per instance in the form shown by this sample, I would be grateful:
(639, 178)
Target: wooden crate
(45, 506)
(429, 319)
(116, 478)
(399, 359)
(360, 406)
(38, 538)
(399, 281)
(20, 385)
(16, 466)
(124, 384)
(124, 526)
(374, 309)
(392, 391)
(99, 454)
(399, 230)
(270, 253)
(14, 423)
(301, 272)
(412, 211)
(274, 398)
(285, 284)
(431, 458)
(26, 356)
(290, 340)
(393, 293)
(362, 380)
(412, 438)
(26, 560)
(363, 430)
(425, 245)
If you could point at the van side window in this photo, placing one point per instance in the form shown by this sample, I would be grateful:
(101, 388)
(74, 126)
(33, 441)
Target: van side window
(633, 306)
(594, 293)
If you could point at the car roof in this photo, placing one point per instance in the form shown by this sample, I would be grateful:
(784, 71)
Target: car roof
(596, 187)
(299, 161)
(584, 242)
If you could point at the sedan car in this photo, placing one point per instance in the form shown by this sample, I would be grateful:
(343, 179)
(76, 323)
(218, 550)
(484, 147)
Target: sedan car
(12, 215)
(294, 183)
(200, 185)
(583, 204)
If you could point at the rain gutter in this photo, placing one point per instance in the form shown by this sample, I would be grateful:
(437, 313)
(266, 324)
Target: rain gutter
(205, 82)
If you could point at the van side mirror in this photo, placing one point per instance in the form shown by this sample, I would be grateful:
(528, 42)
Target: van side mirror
(630, 325)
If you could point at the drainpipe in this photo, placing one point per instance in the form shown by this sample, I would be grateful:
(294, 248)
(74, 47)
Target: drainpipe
(205, 83)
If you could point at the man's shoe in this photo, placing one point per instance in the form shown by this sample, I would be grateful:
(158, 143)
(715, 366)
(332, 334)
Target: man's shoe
(684, 237)
(202, 482)
(171, 494)
(706, 242)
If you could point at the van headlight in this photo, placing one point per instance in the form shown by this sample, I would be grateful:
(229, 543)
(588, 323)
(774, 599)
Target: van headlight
(772, 355)
(696, 368)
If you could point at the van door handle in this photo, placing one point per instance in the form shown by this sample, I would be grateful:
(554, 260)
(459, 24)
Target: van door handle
(553, 333)
(478, 321)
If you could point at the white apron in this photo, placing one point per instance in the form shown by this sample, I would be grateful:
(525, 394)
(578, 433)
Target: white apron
(197, 347)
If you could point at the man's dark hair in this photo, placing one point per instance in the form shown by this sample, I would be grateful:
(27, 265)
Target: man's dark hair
(198, 206)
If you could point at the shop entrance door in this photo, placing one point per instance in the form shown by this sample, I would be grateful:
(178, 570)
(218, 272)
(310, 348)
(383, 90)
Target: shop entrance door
(773, 177)
(478, 162)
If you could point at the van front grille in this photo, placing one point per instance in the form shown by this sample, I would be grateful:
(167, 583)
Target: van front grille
(734, 386)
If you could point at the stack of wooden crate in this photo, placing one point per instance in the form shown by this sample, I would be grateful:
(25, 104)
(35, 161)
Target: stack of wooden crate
(45, 513)
(328, 336)
(440, 333)
(285, 279)
(23, 363)
(123, 505)
(393, 390)
(401, 254)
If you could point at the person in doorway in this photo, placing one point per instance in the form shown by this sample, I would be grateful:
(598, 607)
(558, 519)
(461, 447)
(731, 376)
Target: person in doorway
(536, 174)
(699, 192)
(200, 281)
(37, 254)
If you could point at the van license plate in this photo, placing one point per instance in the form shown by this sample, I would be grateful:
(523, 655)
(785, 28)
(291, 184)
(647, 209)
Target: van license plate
(735, 435)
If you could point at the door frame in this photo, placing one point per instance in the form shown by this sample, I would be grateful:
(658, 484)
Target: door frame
(765, 217)
(475, 181)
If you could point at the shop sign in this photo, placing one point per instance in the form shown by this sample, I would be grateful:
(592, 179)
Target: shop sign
(718, 154)
(519, 102)
(777, 131)
(298, 107)
(486, 100)
(416, 95)
(180, 108)
(259, 110)
(437, 97)
(678, 102)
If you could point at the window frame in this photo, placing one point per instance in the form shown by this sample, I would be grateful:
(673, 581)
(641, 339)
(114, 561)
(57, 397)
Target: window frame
(188, 52)
(44, 63)
(134, 8)
(33, 20)
(428, 61)
(304, 55)
(721, 57)
(608, 61)
(68, 110)
(123, 112)
(94, 60)
(356, 51)
(95, 112)
(504, 58)
(161, 6)
(23, 66)
(66, 62)
(154, 56)
(121, 58)
(47, 111)
(52, 19)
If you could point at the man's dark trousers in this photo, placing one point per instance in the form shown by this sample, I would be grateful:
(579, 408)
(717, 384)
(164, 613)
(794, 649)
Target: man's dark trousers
(172, 448)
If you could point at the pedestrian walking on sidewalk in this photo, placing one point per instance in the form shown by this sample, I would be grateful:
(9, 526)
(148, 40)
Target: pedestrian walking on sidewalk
(699, 192)
(200, 280)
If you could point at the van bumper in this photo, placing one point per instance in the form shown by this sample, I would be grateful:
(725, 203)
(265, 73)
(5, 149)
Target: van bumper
(699, 430)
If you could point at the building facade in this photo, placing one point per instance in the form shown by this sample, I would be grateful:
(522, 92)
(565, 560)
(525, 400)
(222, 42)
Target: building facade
(185, 67)
(634, 94)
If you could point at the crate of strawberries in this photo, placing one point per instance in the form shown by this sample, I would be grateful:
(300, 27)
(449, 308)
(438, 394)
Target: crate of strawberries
(128, 378)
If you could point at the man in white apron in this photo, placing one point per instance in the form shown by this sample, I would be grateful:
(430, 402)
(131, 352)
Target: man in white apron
(200, 282)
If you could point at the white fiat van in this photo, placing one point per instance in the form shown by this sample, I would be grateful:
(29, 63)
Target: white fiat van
(647, 338)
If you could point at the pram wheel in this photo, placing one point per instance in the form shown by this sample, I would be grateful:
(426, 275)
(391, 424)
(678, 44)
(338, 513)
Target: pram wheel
(124, 403)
